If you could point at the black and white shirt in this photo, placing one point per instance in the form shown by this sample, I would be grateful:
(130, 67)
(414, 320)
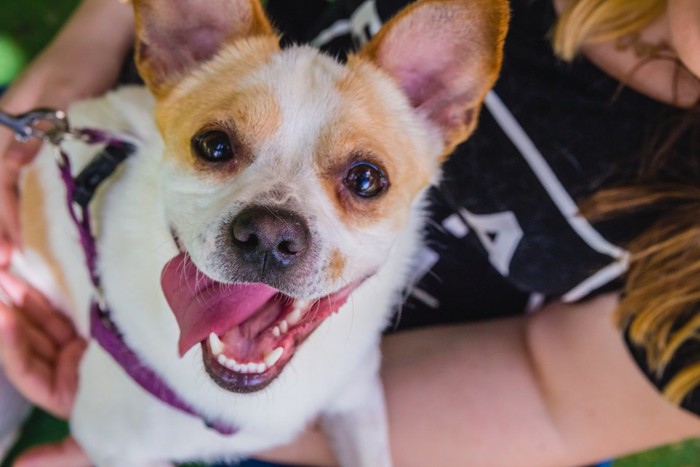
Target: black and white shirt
(506, 234)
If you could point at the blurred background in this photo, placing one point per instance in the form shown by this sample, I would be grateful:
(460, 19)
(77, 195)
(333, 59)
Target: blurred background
(26, 26)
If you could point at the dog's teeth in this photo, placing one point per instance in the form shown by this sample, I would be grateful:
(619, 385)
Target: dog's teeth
(284, 327)
(295, 316)
(251, 367)
(215, 344)
(229, 363)
(276, 331)
(273, 357)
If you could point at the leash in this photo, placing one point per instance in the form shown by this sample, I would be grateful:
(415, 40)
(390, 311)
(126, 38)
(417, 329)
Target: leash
(51, 126)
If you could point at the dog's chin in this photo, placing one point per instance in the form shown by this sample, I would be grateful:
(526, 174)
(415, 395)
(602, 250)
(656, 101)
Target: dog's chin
(248, 332)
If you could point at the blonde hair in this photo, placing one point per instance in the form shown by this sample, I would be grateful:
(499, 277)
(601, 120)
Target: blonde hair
(661, 301)
(659, 307)
(593, 21)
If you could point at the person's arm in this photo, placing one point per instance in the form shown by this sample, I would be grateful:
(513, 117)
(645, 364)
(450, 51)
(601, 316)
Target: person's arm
(555, 388)
(83, 60)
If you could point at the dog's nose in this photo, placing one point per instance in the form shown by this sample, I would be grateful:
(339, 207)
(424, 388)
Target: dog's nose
(269, 237)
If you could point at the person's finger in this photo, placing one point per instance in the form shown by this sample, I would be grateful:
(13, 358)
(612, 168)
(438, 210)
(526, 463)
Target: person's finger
(66, 453)
(37, 308)
(38, 342)
(5, 249)
(20, 153)
(34, 377)
(10, 339)
(12, 286)
(17, 352)
(34, 339)
(67, 368)
(48, 318)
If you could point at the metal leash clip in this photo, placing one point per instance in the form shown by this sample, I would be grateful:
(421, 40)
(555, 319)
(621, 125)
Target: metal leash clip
(49, 125)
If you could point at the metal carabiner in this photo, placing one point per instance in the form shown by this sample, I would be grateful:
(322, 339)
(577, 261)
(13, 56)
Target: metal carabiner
(49, 125)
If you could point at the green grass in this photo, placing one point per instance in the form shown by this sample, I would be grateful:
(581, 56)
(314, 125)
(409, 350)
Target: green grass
(31, 24)
(39, 429)
(677, 455)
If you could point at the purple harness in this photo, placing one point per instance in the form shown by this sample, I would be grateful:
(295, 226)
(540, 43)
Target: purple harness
(79, 192)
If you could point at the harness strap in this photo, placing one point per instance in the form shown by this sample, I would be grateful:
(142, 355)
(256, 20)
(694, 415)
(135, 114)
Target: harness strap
(81, 189)
(79, 192)
(106, 333)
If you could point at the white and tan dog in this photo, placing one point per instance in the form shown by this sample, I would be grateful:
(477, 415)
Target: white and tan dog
(255, 246)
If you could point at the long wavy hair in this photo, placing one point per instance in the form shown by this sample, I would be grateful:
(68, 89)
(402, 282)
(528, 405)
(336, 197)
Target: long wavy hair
(660, 303)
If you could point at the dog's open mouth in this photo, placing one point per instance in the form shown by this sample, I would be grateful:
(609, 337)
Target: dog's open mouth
(248, 332)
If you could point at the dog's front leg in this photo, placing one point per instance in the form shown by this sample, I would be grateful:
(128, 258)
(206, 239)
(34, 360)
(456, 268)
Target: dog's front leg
(359, 432)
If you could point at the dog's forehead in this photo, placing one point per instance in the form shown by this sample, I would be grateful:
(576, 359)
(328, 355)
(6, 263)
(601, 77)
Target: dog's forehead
(296, 96)
(331, 112)
(304, 85)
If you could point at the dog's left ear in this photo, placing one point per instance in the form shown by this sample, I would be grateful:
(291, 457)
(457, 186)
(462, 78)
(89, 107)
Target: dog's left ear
(445, 55)
(174, 36)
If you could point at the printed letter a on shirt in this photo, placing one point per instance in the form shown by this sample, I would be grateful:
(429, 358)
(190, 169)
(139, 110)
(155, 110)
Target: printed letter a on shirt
(499, 233)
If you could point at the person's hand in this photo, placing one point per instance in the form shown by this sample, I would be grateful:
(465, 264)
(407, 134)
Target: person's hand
(65, 453)
(84, 60)
(40, 352)
(39, 348)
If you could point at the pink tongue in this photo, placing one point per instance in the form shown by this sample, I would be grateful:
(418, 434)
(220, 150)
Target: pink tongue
(202, 306)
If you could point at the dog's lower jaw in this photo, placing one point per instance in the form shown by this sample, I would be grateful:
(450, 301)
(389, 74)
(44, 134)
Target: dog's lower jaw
(290, 329)
(247, 332)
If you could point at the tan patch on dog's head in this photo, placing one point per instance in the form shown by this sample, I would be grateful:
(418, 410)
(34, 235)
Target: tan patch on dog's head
(221, 97)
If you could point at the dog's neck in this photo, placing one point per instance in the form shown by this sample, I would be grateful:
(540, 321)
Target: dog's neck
(105, 332)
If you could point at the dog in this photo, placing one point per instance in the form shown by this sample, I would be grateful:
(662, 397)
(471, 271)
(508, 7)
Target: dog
(253, 249)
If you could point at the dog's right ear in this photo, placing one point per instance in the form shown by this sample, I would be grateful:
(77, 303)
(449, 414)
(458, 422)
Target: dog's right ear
(174, 36)
(445, 55)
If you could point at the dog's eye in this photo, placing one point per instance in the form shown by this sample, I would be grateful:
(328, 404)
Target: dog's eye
(366, 180)
(213, 146)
